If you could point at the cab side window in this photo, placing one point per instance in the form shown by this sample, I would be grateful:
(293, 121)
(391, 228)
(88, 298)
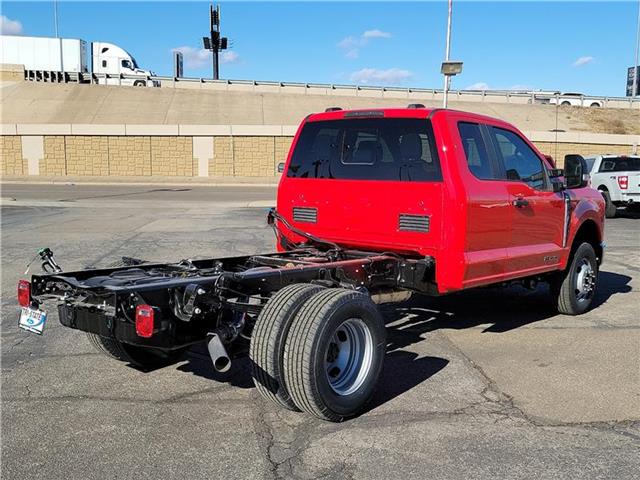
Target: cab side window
(520, 162)
(475, 150)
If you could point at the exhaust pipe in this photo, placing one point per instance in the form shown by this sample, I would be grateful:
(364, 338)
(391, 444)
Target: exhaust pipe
(219, 356)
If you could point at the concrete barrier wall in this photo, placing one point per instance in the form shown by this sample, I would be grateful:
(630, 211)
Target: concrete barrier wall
(200, 150)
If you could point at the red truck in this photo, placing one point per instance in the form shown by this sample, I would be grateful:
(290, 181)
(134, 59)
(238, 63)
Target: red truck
(373, 206)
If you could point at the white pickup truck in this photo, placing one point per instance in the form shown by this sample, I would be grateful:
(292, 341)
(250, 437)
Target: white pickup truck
(617, 178)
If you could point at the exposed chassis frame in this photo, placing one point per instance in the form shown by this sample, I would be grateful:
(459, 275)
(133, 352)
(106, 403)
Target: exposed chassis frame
(195, 298)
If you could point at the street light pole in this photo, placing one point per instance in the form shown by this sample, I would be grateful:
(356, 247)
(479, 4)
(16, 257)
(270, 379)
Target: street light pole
(634, 88)
(447, 55)
(55, 17)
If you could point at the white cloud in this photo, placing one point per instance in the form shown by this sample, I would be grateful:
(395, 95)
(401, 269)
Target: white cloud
(352, 45)
(229, 57)
(10, 27)
(374, 75)
(376, 34)
(521, 87)
(583, 61)
(194, 58)
(479, 86)
(486, 86)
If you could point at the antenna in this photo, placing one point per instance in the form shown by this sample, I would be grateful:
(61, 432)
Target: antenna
(214, 43)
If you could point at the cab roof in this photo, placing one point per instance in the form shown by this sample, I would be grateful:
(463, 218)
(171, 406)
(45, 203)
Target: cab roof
(413, 111)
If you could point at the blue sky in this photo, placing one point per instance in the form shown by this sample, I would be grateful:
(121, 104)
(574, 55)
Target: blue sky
(574, 46)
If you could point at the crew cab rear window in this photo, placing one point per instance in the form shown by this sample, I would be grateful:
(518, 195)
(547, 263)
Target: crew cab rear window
(367, 149)
(475, 150)
(620, 164)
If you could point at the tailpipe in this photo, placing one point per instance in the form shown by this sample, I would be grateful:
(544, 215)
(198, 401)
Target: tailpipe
(218, 352)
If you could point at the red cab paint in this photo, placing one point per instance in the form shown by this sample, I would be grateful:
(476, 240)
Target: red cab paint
(482, 194)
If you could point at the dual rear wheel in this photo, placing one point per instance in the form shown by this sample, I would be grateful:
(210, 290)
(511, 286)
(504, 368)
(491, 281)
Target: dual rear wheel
(319, 350)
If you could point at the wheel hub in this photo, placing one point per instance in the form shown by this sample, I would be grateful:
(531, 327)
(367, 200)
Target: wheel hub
(585, 280)
(349, 356)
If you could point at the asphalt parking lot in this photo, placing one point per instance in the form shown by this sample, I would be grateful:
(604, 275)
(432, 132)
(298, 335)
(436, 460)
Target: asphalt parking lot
(482, 384)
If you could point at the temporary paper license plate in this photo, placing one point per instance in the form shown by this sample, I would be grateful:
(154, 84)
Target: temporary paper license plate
(32, 319)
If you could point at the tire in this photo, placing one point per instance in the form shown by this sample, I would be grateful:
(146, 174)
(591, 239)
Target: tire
(565, 104)
(334, 354)
(139, 83)
(610, 209)
(575, 288)
(142, 357)
(595, 105)
(266, 350)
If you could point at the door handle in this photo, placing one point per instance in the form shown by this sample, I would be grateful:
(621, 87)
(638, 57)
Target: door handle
(520, 202)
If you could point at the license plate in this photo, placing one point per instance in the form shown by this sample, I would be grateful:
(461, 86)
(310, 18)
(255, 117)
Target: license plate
(32, 320)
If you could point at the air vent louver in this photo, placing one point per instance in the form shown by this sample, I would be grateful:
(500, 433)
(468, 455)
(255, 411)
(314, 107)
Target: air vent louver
(305, 214)
(414, 223)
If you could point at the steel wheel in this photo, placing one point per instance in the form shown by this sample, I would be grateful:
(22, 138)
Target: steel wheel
(585, 280)
(348, 356)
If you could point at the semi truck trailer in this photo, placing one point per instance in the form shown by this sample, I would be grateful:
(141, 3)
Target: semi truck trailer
(64, 59)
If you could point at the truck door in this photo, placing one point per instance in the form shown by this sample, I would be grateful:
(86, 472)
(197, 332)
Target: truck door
(537, 213)
(488, 209)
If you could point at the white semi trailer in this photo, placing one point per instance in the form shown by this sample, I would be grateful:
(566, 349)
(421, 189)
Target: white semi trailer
(61, 59)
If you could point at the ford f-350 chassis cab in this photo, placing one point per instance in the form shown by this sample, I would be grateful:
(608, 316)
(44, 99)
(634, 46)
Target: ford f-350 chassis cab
(373, 205)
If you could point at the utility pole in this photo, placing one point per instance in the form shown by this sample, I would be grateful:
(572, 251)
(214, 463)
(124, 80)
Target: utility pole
(447, 53)
(214, 42)
(55, 17)
(449, 68)
(636, 70)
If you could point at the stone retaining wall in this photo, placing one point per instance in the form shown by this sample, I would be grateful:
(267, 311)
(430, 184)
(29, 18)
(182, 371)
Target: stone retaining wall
(200, 150)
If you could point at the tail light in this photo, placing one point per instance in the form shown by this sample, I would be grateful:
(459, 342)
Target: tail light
(144, 321)
(623, 182)
(24, 293)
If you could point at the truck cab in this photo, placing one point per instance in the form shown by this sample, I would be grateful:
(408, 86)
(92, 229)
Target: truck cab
(471, 192)
(112, 60)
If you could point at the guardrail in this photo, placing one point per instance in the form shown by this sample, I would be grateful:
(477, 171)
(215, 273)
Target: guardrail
(500, 96)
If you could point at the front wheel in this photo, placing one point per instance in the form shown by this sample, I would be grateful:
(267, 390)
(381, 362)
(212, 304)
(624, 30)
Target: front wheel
(334, 353)
(575, 287)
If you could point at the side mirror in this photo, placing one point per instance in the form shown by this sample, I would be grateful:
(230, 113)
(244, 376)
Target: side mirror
(575, 169)
(281, 167)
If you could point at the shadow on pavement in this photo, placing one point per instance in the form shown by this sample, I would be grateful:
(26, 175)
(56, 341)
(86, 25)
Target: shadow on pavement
(504, 309)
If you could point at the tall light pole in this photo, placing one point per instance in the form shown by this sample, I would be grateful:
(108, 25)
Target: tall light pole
(449, 68)
(447, 53)
(55, 17)
(634, 88)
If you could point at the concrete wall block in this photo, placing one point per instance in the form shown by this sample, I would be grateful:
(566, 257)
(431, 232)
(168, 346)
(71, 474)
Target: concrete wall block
(11, 159)
(172, 156)
(54, 161)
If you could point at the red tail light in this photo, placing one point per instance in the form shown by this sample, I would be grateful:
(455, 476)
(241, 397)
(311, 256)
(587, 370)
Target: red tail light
(144, 321)
(24, 293)
(623, 182)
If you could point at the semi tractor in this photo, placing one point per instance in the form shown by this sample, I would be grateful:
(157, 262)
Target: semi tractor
(64, 59)
(373, 206)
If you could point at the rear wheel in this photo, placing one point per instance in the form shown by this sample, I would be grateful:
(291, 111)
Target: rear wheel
(268, 338)
(142, 357)
(139, 83)
(609, 207)
(575, 288)
(334, 353)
